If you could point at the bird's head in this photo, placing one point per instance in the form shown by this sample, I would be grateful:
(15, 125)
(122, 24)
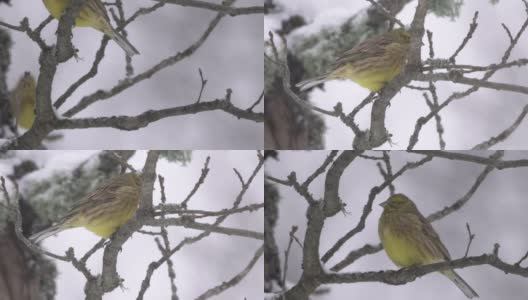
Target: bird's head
(136, 178)
(398, 202)
(401, 35)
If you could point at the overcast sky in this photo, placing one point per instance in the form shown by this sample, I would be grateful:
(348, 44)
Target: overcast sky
(496, 214)
(198, 267)
(230, 58)
(467, 122)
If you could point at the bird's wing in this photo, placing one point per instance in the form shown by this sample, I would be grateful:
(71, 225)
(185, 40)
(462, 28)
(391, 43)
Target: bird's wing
(372, 47)
(98, 7)
(101, 195)
(432, 237)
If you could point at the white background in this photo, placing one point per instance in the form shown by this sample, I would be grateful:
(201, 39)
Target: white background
(467, 122)
(198, 267)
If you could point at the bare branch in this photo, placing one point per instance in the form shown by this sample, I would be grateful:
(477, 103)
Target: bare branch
(409, 274)
(129, 82)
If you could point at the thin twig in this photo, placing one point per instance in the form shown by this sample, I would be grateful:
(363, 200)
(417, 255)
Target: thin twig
(469, 35)
(205, 171)
(386, 13)
(250, 109)
(518, 263)
(287, 255)
(471, 237)
(203, 82)
(321, 168)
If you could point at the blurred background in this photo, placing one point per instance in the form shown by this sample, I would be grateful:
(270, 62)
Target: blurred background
(496, 213)
(230, 58)
(60, 177)
(308, 25)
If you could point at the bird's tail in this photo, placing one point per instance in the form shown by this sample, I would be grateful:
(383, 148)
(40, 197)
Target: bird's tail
(123, 43)
(309, 83)
(461, 284)
(39, 236)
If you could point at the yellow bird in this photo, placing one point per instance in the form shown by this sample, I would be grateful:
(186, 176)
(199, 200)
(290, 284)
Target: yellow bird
(410, 240)
(94, 15)
(371, 64)
(22, 101)
(102, 211)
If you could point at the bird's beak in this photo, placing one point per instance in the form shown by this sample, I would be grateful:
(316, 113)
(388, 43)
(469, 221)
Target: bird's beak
(382, 204)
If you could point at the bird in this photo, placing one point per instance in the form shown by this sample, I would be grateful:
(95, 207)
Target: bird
(93, 14)
(371, 64)
(102, 211)
(409, 239)
(22, 101)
